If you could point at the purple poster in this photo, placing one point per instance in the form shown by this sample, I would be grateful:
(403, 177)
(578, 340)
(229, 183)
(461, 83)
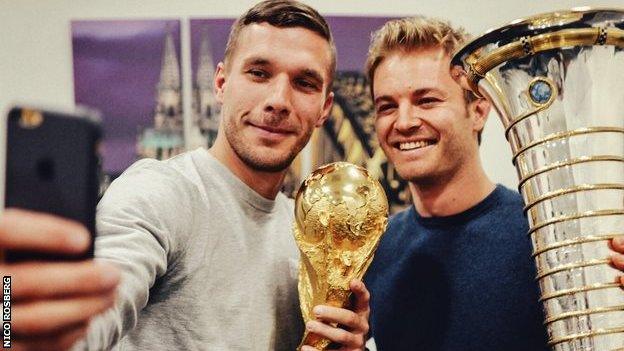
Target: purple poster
(130, 71)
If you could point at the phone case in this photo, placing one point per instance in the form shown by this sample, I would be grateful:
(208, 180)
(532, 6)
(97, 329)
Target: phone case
(52, 166)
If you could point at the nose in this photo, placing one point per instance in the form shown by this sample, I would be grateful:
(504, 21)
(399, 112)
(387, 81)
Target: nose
(278, 99)
(408, 119)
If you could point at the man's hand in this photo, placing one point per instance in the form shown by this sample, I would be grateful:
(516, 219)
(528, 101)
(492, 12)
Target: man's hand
(52, 302)
(352, 327)
(617, 259)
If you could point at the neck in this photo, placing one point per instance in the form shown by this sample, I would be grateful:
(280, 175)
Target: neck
(444, 197)
(267, 184)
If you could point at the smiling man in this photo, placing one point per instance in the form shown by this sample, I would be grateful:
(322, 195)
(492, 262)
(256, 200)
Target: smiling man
(453, 271)
(203, 241)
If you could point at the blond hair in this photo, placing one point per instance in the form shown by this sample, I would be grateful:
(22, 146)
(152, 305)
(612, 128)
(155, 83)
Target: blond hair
(412, 34)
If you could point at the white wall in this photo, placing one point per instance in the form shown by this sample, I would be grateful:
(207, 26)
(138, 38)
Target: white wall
(35, 42)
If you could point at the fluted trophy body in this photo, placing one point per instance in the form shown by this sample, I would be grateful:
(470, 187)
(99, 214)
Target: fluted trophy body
(557, 81)
(340, 214)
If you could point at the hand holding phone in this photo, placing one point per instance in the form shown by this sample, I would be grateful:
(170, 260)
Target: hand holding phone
(52, 167)
(47, 231)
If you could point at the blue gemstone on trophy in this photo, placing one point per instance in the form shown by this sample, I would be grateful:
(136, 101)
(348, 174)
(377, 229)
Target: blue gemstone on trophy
(540, 91)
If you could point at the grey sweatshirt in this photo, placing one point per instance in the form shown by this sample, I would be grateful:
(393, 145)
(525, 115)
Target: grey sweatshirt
(208, 264)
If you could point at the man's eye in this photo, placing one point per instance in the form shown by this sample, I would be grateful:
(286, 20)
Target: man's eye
(384, 108)
(306, 84)
(258, 73)
(428, 101)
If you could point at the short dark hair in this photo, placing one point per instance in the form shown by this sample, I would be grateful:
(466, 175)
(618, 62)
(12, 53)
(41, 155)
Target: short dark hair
(283, 14)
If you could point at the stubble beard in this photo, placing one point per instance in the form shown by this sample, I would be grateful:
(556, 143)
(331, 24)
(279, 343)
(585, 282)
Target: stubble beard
(254, 160)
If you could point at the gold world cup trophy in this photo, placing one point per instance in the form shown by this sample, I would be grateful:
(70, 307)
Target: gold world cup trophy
(557, 81)
(340, 214)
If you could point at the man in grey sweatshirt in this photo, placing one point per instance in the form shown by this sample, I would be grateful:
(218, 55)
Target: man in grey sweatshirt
(201, 247)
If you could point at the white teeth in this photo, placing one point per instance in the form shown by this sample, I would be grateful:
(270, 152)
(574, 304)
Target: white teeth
(414, 145)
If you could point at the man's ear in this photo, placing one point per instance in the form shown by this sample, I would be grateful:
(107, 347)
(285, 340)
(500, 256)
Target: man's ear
(479, 111)
(219, 82)
(327, 106)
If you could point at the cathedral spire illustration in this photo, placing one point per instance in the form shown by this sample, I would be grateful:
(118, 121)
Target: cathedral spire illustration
(205, 106)
(168, 91)
(205, 69)
(165, 139)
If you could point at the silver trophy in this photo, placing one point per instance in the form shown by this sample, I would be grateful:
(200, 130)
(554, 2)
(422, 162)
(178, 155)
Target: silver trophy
(557, 81)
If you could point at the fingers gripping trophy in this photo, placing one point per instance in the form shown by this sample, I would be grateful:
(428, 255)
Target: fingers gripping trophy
(557, 81)
(341, 213)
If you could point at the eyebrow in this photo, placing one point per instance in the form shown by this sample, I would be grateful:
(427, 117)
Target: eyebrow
(256, 61)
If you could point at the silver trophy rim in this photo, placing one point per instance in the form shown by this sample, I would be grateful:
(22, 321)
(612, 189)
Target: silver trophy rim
(524, 26)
